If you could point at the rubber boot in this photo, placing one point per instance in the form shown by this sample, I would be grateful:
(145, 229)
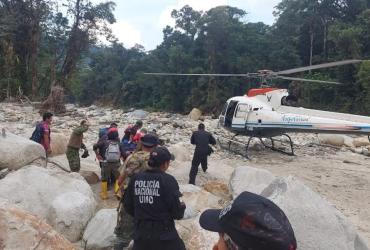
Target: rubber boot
(104, 190)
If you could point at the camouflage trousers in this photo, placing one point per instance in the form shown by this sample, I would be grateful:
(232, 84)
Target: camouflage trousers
(124, 229)
(109, 171)
(73, 156)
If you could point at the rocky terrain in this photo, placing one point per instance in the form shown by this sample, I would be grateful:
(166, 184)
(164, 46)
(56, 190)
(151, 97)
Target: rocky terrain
(323, 189)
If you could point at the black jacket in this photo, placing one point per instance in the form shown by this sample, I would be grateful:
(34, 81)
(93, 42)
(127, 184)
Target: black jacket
(201, 139)
(152, 197)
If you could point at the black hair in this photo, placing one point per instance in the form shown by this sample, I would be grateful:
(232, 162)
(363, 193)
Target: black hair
(154, 164)
(47, 115)
(113, 124)
(139, 123)
(83, 122)
(201, 126)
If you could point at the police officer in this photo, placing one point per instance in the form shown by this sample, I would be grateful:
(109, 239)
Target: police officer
(152, 198)
(135, 163)
(201, 139)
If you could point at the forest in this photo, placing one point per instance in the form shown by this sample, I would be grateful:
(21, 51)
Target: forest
(49, 43)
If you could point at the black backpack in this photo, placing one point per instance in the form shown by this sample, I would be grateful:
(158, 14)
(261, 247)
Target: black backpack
(38, 133)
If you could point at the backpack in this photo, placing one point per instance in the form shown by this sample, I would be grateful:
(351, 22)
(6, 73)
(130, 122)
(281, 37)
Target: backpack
(112, 153)
(102, 132)
(38, 133)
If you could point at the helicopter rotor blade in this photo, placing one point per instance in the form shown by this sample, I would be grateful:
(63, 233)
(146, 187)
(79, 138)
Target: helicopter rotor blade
(317, 66)
(180, 74)
(306, 80)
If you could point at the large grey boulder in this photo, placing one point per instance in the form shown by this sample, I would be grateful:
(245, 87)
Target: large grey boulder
(69, 214)
(195, 237)
(139, 114)
(249, 179)
(22, 231)
(317, 224)
(196, 199)
(47, 194)
(99, 233)
(17, 152)
(195, 114)
(181, 151)
(332, 139)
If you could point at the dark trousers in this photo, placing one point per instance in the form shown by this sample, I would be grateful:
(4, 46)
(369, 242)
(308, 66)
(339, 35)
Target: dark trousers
(197, 159)
(175, 244)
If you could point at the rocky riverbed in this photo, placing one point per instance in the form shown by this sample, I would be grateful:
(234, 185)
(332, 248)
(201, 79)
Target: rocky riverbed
(324, 188)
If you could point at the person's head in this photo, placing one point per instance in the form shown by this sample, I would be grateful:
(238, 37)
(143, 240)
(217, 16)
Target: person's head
(143, 131)
(160, 158)
(139, 124)
(148, 142)
(84, 123)
(113, 134)
(113, 125)
(201, 126)
(250, 221)
(47, 117)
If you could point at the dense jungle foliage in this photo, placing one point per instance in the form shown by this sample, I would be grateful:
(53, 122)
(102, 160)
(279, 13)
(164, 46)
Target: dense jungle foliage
(41, 47)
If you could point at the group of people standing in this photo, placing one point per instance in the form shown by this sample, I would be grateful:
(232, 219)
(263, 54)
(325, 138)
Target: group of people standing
(151, 199)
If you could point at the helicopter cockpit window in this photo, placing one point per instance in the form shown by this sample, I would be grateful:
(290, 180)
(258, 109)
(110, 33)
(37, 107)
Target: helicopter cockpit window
(242, 111)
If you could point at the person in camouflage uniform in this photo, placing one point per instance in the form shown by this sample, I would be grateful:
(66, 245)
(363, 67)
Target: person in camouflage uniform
(74, 145)
(135, 163)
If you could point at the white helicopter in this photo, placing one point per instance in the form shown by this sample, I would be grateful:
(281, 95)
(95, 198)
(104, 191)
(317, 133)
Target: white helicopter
(265, 112)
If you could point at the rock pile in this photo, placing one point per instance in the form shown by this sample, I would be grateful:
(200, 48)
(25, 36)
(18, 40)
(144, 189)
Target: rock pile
(66, 201)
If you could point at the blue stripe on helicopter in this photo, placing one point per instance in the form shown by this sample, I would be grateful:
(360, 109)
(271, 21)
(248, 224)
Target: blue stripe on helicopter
(271, 124)
(366, 127)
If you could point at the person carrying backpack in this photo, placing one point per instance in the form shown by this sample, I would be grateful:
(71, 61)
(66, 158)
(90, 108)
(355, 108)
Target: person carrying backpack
(42, 132)
(109, 154)
(74, 145)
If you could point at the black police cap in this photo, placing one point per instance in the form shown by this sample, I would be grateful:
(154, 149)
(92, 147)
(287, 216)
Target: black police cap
(252, 222)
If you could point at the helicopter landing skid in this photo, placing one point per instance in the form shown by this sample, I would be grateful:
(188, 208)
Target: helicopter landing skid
(232, 141)
(272, 147)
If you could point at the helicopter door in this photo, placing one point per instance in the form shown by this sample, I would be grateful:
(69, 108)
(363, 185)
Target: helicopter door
(240, 116)
(228, 113)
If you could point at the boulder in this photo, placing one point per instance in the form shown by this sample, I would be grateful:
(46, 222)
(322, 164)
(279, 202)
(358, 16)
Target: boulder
(195, 237)
(17, 152)
(139, 114)
(348, 141)
(58, 143)
(37, 190)
(99, 233)
(332, 139)
(316, 223)
(181, 152)
(70, 213)
(217, 188)
(22, 230)
(361, 142)
(195, 114)
(249, 179)
(90, 176)
(196, 199)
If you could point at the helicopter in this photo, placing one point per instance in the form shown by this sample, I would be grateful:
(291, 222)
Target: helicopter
(267, 112)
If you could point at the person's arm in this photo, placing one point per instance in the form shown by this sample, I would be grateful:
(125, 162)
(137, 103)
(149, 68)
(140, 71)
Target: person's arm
(212, 140)
(96, 146)
(47, 143)
(177, 208)
(80, 130)
(192, 139)
(128, 198)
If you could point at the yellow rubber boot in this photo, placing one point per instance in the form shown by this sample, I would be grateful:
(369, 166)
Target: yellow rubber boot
(104, 190)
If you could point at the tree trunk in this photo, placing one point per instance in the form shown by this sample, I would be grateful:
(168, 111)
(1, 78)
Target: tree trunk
(311, 45)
